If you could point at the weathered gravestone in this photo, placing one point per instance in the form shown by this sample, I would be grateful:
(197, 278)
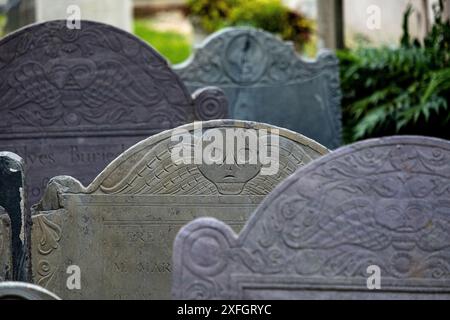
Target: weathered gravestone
(71, 100)
(266, 81)
(12, 196)
(379, 203)
(120, 229)
(6, 268)
(24, 291)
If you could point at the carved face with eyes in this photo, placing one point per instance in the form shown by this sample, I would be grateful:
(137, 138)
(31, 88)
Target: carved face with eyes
(233, 168)
(403, 215)
(71, 74)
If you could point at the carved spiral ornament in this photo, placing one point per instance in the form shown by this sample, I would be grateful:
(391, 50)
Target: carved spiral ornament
(210, 103)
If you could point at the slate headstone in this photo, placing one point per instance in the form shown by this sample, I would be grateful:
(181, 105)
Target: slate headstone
(6, 269)
(120, 229)
(12, 197)
(24, 291)
(377, 208)
(72, 100)
(266, 81)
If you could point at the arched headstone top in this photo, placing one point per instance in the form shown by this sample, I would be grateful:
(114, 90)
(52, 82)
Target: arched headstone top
(24, 291)
(382, 202)
(71, 100)
(267, 60)
(138, 203)
(265, 80)
(96, 78)
(148, 168)
(396, 183)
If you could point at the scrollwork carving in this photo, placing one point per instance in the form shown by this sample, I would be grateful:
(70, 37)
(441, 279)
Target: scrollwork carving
(98, 75)
(210, 103)
(246, 63)
(49, 237)
(379, 202)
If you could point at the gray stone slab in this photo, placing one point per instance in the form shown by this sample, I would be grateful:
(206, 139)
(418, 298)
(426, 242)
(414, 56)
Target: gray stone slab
(6, 268)
(24, 291)
(266, 81)
(382, 202)
(73, 100)
(120, 229)
(12, 197)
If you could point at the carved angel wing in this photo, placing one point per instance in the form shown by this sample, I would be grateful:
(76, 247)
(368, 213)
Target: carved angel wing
(291, 157)
(27, 84)
(113, 82)
(156, 173)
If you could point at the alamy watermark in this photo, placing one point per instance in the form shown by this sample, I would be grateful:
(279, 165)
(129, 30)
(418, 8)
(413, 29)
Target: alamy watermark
(374, 280)
(73, 281)
(229, 146)
(374, 17)
(73, 20)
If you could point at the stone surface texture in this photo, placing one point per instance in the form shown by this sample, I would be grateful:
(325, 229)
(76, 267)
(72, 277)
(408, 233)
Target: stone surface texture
(6, 268)
(120, 229)
(12, 197)
(382, 202)
(266, 81)
(24, 291)
(72, 100)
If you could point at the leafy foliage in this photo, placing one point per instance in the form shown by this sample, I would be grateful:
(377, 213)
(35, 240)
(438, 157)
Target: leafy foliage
(405, 90)
(2, 24)
(176, 47)
(269, 15)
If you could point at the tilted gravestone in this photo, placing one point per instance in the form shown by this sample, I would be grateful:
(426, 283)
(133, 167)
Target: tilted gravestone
(24, 291)
(324, 232)
(72, 100)
(266, 81)
(6, 269)
(12, 197)
(119, 230)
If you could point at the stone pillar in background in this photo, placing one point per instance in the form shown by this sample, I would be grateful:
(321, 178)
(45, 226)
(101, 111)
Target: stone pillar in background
(12, 199)
(20, 13)
(330, 24)
(118, 13)
(447, 9)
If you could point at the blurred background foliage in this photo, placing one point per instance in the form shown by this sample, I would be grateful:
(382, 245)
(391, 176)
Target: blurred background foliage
(174, 46)
(404, 90)
(269, 15)
(2, 23)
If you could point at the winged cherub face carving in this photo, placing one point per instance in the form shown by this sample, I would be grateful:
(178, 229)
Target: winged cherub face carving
(71, 74)
(229, 174)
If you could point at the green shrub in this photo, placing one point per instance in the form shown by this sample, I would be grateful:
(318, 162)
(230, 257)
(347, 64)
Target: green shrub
(174, 46)
(211, 15)
(269, 15)
(403, 90)
(2, 24)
